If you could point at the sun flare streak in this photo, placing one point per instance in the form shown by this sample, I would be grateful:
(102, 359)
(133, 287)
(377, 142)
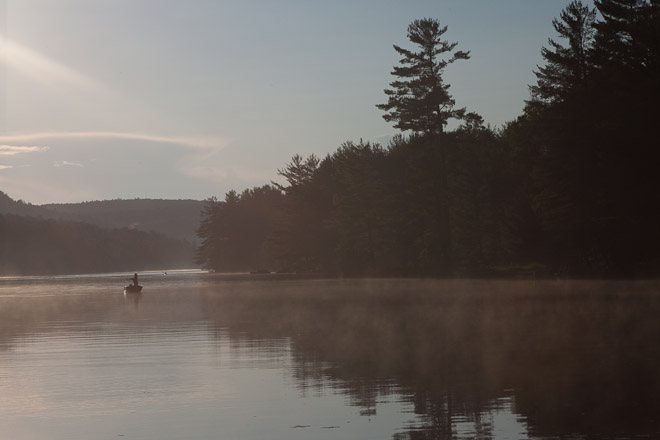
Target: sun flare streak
(44, 69)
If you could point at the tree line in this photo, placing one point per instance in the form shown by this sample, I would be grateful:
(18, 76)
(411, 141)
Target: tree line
(567, 188)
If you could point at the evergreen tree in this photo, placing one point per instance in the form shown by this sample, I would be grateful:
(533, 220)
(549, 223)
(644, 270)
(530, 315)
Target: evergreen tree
(559, 127)
(298, 172)
(235, 233)
(626, 35)
(419, 100)
(567, 68)
(361, 213)
(301, 239)
(591, 133)
(207, 252)
(627, 54)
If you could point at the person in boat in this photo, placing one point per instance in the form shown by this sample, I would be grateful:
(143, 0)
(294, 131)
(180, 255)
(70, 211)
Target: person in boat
(134, 287)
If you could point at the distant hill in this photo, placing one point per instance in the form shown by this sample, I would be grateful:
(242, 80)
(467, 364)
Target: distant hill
(174, 218)
(19, 207)
(115, 235)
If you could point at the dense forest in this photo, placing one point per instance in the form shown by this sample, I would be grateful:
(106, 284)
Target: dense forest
(35, 240)
(567, 188)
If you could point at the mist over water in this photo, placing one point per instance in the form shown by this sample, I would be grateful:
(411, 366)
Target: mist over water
(203, 356)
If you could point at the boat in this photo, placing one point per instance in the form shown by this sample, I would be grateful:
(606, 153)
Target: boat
(132, 288)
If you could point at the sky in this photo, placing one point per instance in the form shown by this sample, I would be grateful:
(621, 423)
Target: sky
(107, 99)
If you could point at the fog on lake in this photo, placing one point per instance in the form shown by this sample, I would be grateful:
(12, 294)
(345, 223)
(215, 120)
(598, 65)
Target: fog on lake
(201, 356)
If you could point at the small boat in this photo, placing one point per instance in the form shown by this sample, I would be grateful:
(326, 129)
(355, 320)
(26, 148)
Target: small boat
(132, 288)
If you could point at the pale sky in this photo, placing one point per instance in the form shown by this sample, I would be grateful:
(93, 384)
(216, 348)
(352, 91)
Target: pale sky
(105, 99)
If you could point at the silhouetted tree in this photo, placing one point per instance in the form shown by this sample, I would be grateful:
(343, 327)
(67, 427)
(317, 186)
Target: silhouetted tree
(303, 239)
(567, 68)
(298, 172)
(361, 212)
(628, 36)
(627, 54)
(591, 118)
(419, 100)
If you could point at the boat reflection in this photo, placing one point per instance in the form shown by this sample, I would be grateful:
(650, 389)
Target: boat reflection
(131, 297)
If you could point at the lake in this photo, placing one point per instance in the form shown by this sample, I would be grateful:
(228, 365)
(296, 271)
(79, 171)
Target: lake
(209, 356)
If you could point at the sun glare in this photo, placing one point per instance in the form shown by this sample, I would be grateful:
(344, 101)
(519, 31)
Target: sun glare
(43, 69)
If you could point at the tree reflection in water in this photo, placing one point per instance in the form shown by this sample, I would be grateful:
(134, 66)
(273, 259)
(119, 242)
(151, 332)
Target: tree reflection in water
(466, 358)
(580, 358)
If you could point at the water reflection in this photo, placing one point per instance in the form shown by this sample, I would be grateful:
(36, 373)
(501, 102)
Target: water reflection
(434, 359)
(580, 357)
(132, 298)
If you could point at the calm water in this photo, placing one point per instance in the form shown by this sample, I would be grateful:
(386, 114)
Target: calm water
(200, 356)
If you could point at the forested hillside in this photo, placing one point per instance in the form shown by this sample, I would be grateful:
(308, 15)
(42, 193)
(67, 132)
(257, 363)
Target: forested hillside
(41, 240)
(175, 218)
(568, 188)
(37, 246)
(19, 207)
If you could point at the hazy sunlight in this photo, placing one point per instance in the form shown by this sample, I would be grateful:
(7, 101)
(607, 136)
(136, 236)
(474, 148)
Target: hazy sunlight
(43, 69)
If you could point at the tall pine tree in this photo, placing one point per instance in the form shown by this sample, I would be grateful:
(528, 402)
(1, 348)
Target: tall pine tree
(567, 69)
(419, 100)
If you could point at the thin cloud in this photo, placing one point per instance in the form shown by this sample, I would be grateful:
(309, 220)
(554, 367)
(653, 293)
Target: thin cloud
(13, 150)
(200, 142)
(227, 172)
(4, 167)
(65, 163)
